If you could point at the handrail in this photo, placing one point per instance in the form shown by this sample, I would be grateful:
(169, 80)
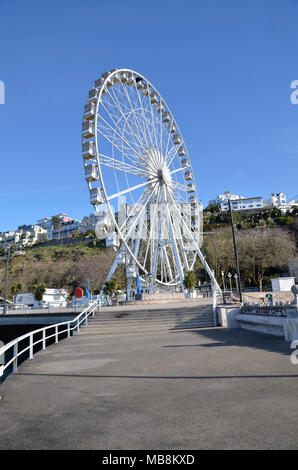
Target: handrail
(82, 317)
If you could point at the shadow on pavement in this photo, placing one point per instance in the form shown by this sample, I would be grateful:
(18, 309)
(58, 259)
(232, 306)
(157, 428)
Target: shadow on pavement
(221, 337)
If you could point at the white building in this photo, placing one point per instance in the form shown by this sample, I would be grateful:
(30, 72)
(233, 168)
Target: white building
(68, 225)
(89, 223)
(221, 198)
(248, 203)
(277, 200)
(66, 228)
(51, 298)
(280, 284)
(25, 235)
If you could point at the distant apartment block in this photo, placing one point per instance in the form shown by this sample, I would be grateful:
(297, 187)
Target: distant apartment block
(25, 235)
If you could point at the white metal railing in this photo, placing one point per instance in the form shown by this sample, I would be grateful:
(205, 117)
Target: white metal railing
(77, 321)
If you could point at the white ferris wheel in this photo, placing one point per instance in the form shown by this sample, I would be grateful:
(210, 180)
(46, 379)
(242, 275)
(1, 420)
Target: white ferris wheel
(137, 167)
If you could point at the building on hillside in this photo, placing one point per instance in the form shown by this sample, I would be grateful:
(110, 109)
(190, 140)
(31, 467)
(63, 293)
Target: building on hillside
(89, 223)
(221, 198)
(25, 235)
(277, 200)
(248, 203)
(66, 228)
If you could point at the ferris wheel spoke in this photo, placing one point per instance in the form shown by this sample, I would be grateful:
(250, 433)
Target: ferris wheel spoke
(144, 198)
(152, 119)
(152, 227)
(121, 136)
(143, 114)
(125, 133)
(120, 165)
(174, 245)
(179, 169)
(168, 139)
(179, 196)
(134, 145)
(125, 191)
(140, 213)
(167, 263)
(127, 123)
(171, 158)
(136, 120)
(125, 151)
(178, 186)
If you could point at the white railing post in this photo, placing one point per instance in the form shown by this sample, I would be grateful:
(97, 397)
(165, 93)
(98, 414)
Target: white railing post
(43, 339)
(68, 330)
(78, 326)
(31, 347)
(56, 334)
(86, 319)
(15, 361)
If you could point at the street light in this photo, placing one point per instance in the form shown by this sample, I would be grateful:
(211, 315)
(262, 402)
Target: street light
(235, 251)
(236, 279)
(223, 280)
(230, 276)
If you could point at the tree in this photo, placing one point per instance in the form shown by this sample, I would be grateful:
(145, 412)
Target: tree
(190, 280)
(110, 287)
(94, 269)
(75, 234)
(15, 288)
(38, 291)
(218, 248)
(264, 250)
(57, 224)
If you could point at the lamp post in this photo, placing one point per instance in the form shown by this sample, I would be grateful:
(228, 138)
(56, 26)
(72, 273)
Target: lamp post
(223, 280)
(236, 279)
(230, 276)
(235, 251)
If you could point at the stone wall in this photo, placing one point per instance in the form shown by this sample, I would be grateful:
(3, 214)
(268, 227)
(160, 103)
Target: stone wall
(261, 297)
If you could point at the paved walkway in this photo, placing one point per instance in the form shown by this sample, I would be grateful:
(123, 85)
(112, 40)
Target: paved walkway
(196, 389)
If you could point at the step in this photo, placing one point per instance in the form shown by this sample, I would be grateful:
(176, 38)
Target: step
(140, 329)
(155, 326)
(149, 315)
(147, 318)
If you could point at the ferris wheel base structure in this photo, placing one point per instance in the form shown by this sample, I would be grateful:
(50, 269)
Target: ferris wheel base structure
(134, 152)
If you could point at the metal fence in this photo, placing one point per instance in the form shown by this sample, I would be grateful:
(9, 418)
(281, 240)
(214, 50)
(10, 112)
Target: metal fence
(25, 346)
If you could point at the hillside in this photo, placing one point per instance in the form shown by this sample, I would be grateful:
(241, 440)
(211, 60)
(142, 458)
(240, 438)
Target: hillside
(58, 267)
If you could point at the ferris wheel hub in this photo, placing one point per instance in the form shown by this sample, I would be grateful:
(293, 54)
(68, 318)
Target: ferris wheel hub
(164, 175)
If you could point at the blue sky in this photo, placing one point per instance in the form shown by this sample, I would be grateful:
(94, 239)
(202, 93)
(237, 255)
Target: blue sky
(224, 68)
